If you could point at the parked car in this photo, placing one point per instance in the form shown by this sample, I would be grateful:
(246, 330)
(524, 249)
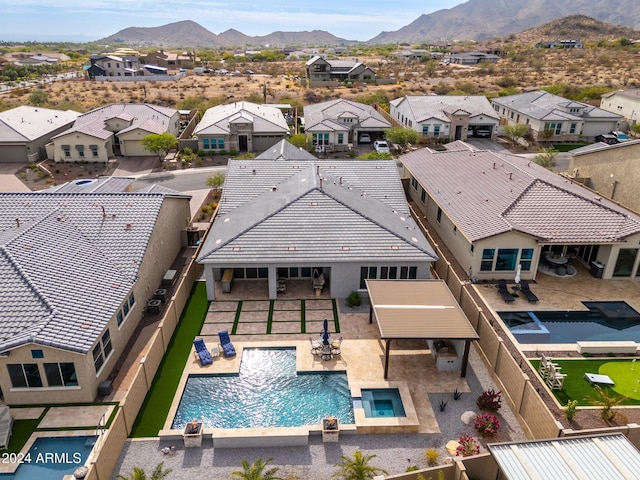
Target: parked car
(483, 132)
(364, 138)
(620, 136)
(381, 146)
(607, 138)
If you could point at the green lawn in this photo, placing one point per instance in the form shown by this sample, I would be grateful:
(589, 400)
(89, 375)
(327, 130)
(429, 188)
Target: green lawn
(156, 405)
(20, 433)
(577, 388)
(567, 147)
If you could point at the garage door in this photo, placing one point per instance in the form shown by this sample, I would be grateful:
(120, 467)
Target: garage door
(263, 142)
(13, 153)
(481, 131)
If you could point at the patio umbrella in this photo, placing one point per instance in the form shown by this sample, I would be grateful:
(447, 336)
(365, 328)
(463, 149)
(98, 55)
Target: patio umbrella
(517, 279)
(325, 331)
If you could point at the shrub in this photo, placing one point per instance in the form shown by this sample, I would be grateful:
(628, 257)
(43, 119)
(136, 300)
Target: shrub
(432, 456)
(468, 446)
(201, 153)
(233, 152)
(487, 424)
(490, 400)
(570, 409)
(412, 468)
(354, 300)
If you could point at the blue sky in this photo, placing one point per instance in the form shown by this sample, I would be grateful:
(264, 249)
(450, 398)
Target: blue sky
(88, 20)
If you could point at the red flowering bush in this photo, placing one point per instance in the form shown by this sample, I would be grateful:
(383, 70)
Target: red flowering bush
(490, 400)
(468, 446)
(487, 424)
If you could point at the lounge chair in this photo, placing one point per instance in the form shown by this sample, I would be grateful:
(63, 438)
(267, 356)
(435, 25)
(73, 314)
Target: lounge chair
(202, 352)
(526, 291)
(6, 424)
(504, 291)
(225, 343)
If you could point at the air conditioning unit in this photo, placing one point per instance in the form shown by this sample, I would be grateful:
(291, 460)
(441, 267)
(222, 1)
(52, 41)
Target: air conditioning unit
(153, 306)
(160, 294)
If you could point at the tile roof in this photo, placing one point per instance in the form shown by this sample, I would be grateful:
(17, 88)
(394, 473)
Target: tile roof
(68, 261)
(543, 105)
(284, 150)
(26, 123)
(441, 107)
(330, 111)
(265, 119)
(285, 210)
(154, 118)
(488, 193)
(94, 185)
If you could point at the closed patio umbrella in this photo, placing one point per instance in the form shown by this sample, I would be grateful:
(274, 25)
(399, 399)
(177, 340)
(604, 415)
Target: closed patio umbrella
(517, 279)
(325, 331)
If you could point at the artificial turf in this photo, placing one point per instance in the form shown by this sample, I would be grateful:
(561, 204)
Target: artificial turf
(576, 387)
(157, 403)
(20, 433)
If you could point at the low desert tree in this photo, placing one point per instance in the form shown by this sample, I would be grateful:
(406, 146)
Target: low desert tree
(515, 132)
(402, 137)
(635, 128)
(357, 467)
(546, 157)
(256, 471)
(138, 473)
(38, 98)
(216, 181)
(298, 140)
(159, 143)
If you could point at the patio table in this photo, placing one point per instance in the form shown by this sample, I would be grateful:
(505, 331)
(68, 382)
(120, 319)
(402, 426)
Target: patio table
(556, 260)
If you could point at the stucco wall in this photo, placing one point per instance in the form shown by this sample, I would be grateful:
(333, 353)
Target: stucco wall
(105, 148)
(629, 107)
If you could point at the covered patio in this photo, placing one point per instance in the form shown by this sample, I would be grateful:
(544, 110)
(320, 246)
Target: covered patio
(426, 310)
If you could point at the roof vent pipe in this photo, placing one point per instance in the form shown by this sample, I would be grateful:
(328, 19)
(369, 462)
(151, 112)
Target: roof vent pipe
(104, 212)
(340, 181)
(510, 175)
(320, 183)
(494, 165)
(18, 222)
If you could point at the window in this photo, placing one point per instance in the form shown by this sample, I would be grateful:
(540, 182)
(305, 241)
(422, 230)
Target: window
(25, 375)
(393, 273)
(94, 150)
(436, 131)
(61, 374)
(486, 265)
(572, 128)
(107, 348)
(340, 138)
(423, 195)
(439, 215)
(37, 354)
(80, 149)
(518, 118)
(506, 259)
(558, 128)
(425, 130)
(413, 273)
(367, 273)
(220, 143)
(414, 183)
(511, 114)
(205, 143)
(98, 357)
(132, 300)
(125, 308)
(120, 317)
(525, 258)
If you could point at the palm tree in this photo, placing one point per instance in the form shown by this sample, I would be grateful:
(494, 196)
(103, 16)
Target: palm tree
(357, 467)
(255, 471)
(139, 474)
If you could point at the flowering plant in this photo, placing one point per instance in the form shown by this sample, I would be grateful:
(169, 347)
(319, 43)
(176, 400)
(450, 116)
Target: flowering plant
(487, 424)
(468, 446)
(490, 400)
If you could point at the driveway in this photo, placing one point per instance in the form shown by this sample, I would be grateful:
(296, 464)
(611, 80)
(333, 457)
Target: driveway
(8, 180)
(135, 166)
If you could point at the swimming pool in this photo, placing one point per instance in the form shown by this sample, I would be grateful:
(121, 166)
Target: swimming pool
(267, 392)
(50, 458)
(602, 321)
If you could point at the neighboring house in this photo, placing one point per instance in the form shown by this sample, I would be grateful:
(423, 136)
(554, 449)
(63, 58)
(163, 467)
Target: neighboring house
(611, 170)
(77, 270)
(241, 126)
(471, 58)
(347, 220)
(560, 44)
(112, 130)
(338, 123)
(321, 69)
(36, 58)
(449, 117)
(284, 150)
(496, 210)
(162, 59)
(412, 54)
(114, 66)
(26, 130)
(561, 119)
(623, 102)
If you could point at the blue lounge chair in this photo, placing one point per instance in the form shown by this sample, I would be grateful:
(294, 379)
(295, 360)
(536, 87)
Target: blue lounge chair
(225, 342)
(202, 352)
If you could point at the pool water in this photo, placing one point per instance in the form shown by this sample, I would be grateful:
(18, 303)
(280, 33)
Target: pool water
(267, 392)
(602, 321)
(382, 402)
(51, 458)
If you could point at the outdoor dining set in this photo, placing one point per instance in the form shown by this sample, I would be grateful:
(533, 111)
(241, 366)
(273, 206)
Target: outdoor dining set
(325, 346)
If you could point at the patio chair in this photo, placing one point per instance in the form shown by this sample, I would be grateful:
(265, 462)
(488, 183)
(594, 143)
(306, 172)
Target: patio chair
(202, 353)
(335, 347)
(315, 346)
(545, 366)
(225, 343)
(504, 291)
(526, 291)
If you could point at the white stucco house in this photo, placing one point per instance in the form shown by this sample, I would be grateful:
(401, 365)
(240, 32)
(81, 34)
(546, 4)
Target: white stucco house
(623, 102)
(347, 220)
(113, 130)
(496, 211)
(450, 117)
(563, 119)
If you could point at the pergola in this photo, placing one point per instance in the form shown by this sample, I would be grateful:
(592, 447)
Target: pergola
(418, 309)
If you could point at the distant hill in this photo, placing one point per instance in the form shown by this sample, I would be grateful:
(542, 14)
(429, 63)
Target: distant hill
(578, 27)
(487, 19)
(188, 33)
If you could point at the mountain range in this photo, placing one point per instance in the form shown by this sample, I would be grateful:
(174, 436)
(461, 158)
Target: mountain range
(472, 20)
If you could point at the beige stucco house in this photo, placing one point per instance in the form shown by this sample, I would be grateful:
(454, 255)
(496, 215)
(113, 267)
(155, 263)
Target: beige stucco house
(78, 265)
(496, 211)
